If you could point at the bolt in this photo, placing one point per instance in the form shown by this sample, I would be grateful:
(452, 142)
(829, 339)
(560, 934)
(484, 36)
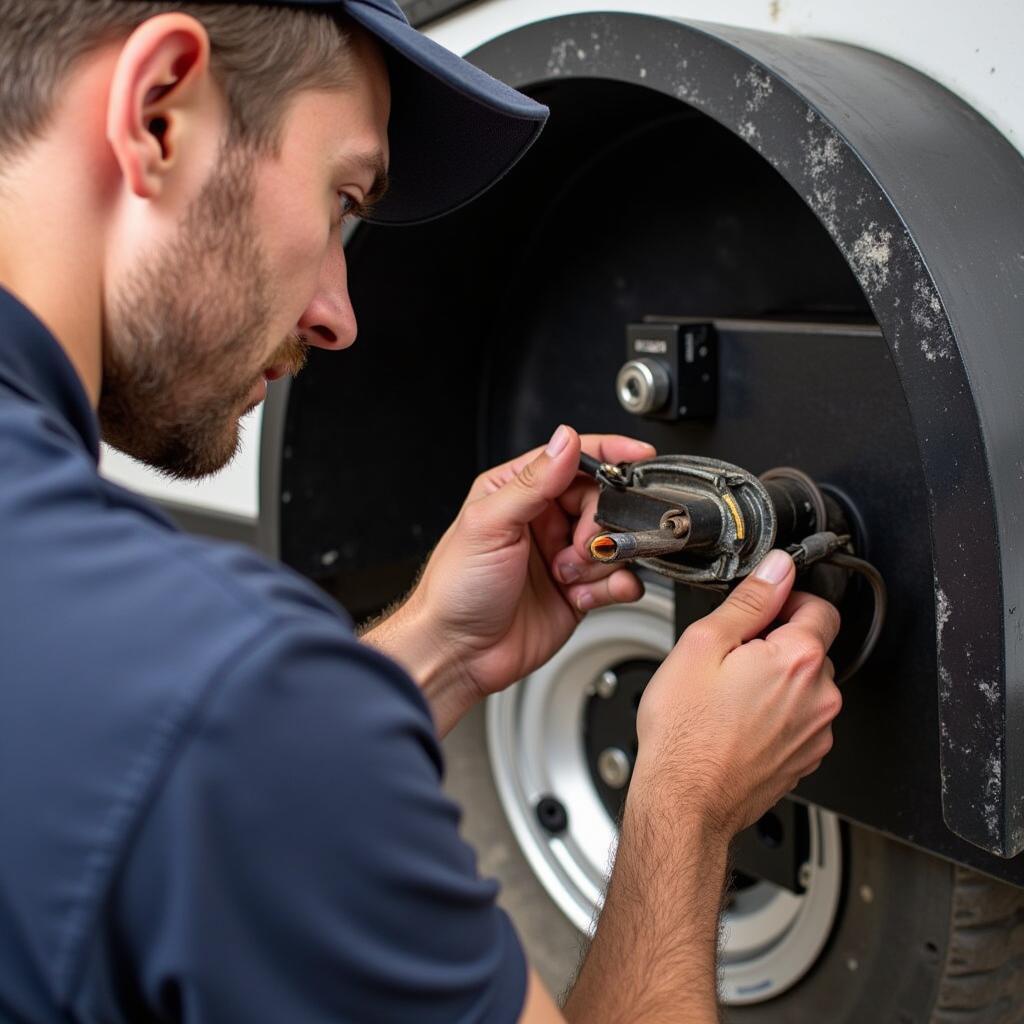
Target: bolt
(803, 876)
(613, 766)
(703, 351)
(682, 410)
(606, 685)
(867, 894)
(329, 557)
(552, 815)
(852, 964)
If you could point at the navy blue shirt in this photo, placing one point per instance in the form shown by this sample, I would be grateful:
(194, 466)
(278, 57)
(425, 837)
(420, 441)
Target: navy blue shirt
(215, 804)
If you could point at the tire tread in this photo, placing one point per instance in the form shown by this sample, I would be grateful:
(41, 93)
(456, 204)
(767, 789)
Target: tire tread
(983, 980)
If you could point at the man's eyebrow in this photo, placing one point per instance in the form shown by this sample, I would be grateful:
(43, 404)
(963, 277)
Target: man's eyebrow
(374, 163)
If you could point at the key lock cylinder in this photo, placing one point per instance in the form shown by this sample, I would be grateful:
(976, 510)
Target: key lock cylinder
(706, 523)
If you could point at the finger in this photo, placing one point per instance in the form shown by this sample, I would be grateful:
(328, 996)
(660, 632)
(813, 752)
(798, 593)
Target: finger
(809, 614)
(551, 533)
(816, 749)
(621, 587)
(527, 493)
(496, 477)
(750, 608)
(586, 528)
(576, 494)
(616, 447)
(570, 568)
(606, 447)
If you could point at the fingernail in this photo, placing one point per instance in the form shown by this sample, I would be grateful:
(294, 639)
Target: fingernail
(559, 439)
(568, 571)
(775, 567)
(585, 601)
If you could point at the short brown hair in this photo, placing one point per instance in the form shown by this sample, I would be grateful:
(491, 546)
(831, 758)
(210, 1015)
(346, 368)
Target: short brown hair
(261, 55)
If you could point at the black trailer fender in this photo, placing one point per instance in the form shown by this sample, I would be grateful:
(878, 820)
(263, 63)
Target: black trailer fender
(925, 201)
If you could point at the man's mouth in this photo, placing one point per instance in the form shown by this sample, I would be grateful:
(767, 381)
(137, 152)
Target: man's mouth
(291, 358)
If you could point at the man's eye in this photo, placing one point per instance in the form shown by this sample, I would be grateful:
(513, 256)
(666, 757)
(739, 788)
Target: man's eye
(348, 204)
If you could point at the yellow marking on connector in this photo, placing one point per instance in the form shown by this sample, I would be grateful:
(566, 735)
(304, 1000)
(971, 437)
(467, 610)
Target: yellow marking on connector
(737, 517)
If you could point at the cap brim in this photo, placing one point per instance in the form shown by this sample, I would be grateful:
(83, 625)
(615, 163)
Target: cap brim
(454, 131)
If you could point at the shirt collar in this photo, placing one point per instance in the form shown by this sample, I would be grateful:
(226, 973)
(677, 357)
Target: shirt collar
(33, 363)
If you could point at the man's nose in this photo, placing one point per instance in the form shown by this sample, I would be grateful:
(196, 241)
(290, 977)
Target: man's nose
(329, 320)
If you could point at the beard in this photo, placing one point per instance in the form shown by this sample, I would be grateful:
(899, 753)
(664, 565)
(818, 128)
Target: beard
(186, 335)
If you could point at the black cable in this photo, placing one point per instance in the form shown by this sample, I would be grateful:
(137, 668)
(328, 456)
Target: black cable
(589, 465)
(878, 589)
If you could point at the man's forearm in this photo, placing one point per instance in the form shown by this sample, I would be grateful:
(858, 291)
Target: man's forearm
(404, 636)
(653, 957)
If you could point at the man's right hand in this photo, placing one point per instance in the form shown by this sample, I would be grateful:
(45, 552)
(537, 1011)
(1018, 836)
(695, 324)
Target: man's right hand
(732, 722)
(737, 714)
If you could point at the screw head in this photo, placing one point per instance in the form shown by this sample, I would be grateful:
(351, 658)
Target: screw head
(867, 894)
(613, 767)
(606, 685)
(803, 876)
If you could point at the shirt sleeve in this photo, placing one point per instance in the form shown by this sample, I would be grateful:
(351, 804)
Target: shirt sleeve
(300, 862)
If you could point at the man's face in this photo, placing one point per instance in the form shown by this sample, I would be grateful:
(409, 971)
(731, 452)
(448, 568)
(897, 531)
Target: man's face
(252, 277)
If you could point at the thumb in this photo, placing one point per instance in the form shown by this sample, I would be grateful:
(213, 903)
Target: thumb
(539, 482)
(754, 605)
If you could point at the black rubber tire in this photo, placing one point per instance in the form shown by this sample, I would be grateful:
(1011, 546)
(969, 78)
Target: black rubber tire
(917, 940)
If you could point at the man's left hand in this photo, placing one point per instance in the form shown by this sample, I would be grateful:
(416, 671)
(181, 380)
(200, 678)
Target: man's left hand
(511, 578)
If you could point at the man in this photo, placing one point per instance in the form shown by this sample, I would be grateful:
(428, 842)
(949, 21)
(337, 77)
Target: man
(218, 805)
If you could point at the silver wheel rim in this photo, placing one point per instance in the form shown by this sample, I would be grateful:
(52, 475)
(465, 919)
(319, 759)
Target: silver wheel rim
(770, 937)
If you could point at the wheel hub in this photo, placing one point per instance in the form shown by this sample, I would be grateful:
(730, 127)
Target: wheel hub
(562, 746)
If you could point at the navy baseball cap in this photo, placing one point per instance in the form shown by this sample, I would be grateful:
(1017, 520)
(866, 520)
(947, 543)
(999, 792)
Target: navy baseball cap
(454, 130)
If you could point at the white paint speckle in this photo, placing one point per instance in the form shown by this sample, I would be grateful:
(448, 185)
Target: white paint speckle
(993, 793)
(823, 158)
(760, 84)
(686, 90)
(560, 55)
(870, 257)
(748, 131)
(943, 610)
(990, 691)
(933, 334)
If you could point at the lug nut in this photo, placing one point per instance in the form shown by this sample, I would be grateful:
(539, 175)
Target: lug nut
(552, 815)
(613, 767)
(606, 685)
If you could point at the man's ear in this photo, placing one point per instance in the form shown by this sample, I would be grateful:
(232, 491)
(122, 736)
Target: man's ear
(159, 97)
